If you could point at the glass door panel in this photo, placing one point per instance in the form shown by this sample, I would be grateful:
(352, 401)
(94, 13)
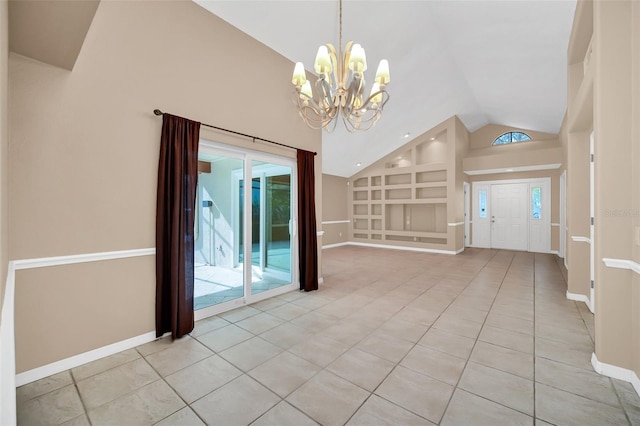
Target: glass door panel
(218, 271)
(271, 205)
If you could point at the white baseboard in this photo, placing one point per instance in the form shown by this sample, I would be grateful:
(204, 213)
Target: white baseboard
(580, 298)
(7, 353)
(328, 246)
(424, 250)
(616, 372)
(83, 358)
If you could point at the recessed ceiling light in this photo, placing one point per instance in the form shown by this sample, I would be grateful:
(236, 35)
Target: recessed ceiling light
(406, 135)
(358, 164)
(433, 138)
(399, 157)
(508, 170)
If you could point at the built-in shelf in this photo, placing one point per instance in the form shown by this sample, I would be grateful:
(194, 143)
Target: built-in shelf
(404, 198)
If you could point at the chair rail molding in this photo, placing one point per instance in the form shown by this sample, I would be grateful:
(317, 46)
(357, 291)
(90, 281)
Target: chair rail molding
(579, 239)
(622, 264)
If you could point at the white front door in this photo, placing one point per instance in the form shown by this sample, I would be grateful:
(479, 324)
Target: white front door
(509, 221)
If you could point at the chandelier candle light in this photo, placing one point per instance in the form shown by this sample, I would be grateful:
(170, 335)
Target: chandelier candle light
(340, 87)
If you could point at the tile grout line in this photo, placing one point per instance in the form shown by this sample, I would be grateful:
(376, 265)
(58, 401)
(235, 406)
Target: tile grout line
(535, 296)
(174, 390)
(84, 407)
(416, 344)
(473, 347)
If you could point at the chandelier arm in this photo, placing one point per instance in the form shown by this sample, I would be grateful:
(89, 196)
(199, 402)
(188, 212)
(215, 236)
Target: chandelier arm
(380, 105)
(309, 110)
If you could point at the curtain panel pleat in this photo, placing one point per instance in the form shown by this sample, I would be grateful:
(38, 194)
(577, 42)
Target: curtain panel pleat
(177, 179)
(307, 233)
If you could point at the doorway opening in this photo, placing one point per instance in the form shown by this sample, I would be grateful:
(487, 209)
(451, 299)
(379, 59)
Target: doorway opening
(245, 249)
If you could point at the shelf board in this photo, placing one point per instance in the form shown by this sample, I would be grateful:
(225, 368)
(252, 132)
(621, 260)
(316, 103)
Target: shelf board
(419, 234)
(399, 186)
(440, 184)
(418, 201)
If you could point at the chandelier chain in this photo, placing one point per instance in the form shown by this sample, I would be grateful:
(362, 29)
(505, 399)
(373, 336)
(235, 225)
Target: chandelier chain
(340, 31)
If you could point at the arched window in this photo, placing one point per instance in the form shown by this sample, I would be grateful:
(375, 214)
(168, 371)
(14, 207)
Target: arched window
(511, 137)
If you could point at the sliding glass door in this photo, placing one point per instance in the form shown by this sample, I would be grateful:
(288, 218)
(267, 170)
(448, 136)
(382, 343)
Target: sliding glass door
(271, 223)
(237, 222)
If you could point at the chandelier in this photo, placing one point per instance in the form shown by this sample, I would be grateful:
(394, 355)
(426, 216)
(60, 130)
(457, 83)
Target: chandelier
(340, 88)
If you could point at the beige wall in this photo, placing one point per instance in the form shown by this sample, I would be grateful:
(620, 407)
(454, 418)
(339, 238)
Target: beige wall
(460, 152)
(613, 120)
(85, 149)
(578, 214)
(335, 208)
(545, 148)
(635, 48)
(4, 141)
(484, 137)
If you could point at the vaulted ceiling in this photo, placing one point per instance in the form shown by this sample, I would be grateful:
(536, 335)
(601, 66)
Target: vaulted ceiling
(501, 62)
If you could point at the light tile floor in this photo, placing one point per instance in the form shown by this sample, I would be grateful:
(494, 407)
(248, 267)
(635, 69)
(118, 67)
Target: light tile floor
(392, 337)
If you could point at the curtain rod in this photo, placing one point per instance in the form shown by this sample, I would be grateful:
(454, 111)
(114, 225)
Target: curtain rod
(158, 112)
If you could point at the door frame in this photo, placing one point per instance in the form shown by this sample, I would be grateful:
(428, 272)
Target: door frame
(466, 187)
(562, 249)
(531, 181)
(592, 228)
(248, 156)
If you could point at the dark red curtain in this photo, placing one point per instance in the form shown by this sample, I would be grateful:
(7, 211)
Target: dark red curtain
(177, 178)
(307, 234)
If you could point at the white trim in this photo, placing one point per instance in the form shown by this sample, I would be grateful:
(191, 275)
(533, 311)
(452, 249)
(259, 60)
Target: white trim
(83, 358)
(616, 372)
(592, 228)
(579, 239)
(80, 258)
(424, 250)
(556, 252)
(331, 222)
(8, 353)
(320, 233)
(466, 189)
(328, 246)
(622, 264)
(563, 217)
(555, 224)
(8, 378)
(513, 169)
(580, 298)
(455, 224)
(525, 180)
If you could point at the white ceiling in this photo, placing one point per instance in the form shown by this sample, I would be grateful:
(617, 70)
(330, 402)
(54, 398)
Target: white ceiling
(499, 62)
